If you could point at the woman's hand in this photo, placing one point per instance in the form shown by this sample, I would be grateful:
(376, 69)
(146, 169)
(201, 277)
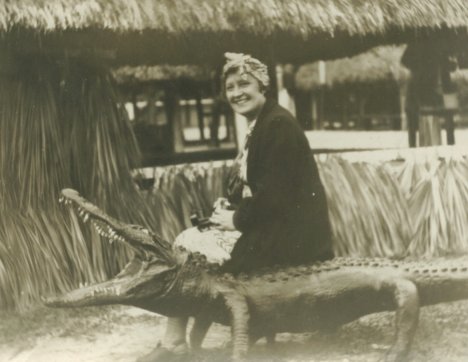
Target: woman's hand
(223, 219)
(221, 203)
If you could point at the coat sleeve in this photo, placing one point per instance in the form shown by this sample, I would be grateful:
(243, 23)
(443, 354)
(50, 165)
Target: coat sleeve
(277, 171)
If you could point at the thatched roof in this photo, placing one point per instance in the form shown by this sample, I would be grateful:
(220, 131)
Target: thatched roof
(264, 17)
(196, 31)
(161, 73)
(378, 64)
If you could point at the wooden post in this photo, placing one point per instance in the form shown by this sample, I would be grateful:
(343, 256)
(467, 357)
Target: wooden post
(303, 108)
(314, 110)
(200, 115)
(286, 92)
(151, 105)
(450, 128)
(429, 129)
(172, 107)
(362, 109)
(321, 107)
(273, 91)
(450, 101)
(216, 89)
(412, 111)
(403, 90)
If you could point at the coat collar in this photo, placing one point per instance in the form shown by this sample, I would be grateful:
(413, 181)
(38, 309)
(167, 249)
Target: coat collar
(269, 104)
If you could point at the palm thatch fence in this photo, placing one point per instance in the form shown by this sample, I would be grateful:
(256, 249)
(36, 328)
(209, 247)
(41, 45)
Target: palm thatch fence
(398, 203)
(381, 203)
(60, 127)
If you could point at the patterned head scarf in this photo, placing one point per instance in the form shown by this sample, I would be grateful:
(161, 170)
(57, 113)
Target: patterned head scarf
(246, 65)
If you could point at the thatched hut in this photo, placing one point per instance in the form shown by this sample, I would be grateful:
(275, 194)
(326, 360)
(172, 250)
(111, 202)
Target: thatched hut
(369, 91)
(366, 91)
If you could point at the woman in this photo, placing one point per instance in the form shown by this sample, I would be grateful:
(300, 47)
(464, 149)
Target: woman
(280, 207)
(276, 198)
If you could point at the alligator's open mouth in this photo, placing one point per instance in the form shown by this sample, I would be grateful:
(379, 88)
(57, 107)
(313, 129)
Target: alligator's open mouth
(90, 213)
(144, 242)
(153, 258)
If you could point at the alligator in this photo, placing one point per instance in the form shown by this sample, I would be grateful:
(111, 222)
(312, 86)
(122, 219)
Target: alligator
(177, 283)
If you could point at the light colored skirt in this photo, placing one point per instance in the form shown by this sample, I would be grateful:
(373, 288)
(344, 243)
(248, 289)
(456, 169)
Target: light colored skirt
(213, 243)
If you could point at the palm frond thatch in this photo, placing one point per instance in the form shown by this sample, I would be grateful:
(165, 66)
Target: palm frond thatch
(392, 204)
(61, 127)
(378, 64)
(142, 74)
(303, 17)
(398, 206)
(200, 31)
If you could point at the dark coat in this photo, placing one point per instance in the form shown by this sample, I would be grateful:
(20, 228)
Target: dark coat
(286, 219)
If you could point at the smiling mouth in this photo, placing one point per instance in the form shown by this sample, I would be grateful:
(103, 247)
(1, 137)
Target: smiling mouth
(241, 101)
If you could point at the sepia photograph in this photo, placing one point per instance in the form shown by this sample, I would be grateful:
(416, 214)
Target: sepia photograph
(233, 180)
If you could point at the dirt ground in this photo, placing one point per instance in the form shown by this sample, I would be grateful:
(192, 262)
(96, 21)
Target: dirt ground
(123, 334)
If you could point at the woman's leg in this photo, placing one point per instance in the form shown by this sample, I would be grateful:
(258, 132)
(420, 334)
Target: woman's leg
(175, 333)
(173, 347)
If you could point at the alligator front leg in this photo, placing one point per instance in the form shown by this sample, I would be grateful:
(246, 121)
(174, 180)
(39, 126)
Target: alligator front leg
(406, 299)
(238, 308)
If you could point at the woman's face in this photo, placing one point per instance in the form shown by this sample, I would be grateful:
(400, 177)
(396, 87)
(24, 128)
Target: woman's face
(244, 94)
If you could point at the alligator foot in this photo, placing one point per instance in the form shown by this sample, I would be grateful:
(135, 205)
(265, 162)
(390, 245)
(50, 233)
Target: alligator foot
(179, 353)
